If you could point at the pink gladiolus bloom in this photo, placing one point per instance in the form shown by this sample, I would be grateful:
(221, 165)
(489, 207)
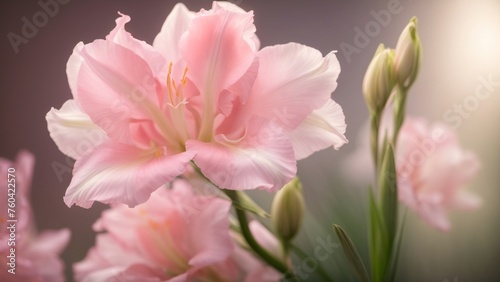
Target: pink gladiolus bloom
(36, 256)
(176, 235)
(432, 172)
(203, 92)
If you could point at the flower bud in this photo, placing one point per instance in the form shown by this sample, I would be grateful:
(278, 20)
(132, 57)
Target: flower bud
(408, 54)
(287, 210)
(379, 79)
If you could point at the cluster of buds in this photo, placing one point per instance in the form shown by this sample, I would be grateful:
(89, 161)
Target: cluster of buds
(390, 67)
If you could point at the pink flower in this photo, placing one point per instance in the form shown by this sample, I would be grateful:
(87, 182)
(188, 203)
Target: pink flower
(36, 255)
(203, 92)
(432, 172)
(176, 235)
(432, 169)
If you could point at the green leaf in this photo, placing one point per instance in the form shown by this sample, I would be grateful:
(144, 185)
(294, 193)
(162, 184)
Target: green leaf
(247, 204)
(387, 184)
(391, 272)
(351, 253)
(378, 240)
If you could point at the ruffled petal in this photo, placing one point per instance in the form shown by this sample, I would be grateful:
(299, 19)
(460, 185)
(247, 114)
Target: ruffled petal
(73, 67)
(215, 49)
(293, 80)
(252, 38)
(121, 173)
(217, 52)
(72, 130)
(263, 159)
(115, 86)
(321, 129)
(123, 38)
(167, 41)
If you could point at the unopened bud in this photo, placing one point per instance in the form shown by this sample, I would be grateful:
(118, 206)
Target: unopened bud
(408, 54)
(379, 79)
(287, 211)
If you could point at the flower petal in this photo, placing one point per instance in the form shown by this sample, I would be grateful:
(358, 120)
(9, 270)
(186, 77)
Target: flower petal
(115, 85)
(121, 173)
(25, 164)
(73, 67)
(177, 22)
(467, 201)
(149, 54)
(263, 159)
(293, 80)
(217, 51)
(49, 242)
(321, 129)
(254, 41)
(212, 221)
(72, 130)
(435, 216)
(138, 272)
(107, 258)
(39, 259)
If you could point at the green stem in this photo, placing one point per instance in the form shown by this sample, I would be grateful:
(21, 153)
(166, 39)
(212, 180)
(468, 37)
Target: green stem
(252, 243)
(375, 124)
(399, 111)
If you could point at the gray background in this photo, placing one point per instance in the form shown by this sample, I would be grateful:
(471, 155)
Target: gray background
(461, 42)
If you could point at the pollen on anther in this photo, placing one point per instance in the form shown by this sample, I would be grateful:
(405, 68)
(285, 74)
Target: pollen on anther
(160, 151)
(184, 79)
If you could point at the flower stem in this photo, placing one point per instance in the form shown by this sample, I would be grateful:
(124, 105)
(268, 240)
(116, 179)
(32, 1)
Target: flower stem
(375, 124)
(252, 243)
(399, 111)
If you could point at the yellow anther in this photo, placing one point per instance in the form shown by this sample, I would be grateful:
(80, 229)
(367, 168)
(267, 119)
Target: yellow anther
(158, 152)
(184, 79)
(169, 82)
(172, 86)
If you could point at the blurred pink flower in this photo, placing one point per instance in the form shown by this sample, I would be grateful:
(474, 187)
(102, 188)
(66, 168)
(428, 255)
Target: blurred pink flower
(433, 171)
(36, 254)
(203, 92)
(176, 235)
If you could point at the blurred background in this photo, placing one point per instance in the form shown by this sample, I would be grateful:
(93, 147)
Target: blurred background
(461, 50)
